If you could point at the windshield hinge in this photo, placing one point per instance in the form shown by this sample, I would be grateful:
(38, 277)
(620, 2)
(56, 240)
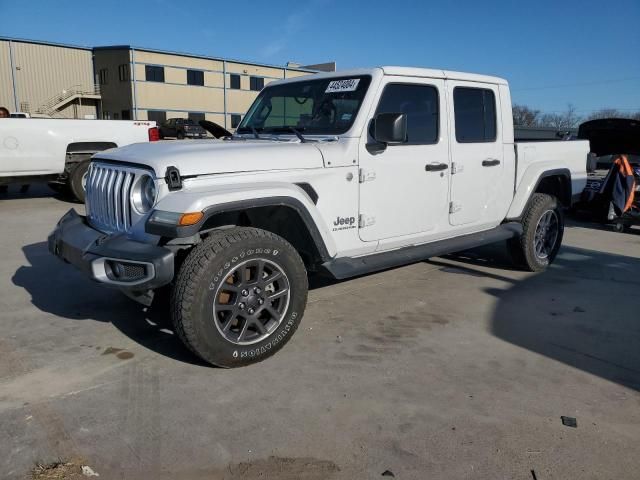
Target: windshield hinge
(454, 207)
(366, 176)
(455, 168)
(365, 221)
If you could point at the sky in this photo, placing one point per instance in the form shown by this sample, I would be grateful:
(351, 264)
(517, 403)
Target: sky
(552, 52)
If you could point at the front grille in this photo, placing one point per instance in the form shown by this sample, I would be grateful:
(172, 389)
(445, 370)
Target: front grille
(108, 193)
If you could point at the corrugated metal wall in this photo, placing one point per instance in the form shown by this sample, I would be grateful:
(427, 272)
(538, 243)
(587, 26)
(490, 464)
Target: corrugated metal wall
(42, 71)
(6, 86)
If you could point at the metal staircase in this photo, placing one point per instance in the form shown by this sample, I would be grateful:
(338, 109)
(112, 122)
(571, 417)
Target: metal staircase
(61, 99)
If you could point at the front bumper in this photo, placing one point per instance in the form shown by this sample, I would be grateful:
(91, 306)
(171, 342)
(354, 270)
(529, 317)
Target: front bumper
(114, 260)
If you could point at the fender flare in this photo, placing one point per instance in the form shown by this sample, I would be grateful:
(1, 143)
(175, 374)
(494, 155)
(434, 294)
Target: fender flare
(523, 196)
(173, 231)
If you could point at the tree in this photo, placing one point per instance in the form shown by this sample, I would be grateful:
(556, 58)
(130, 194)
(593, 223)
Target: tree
(524, 116)
(612, 113)
(561, 121)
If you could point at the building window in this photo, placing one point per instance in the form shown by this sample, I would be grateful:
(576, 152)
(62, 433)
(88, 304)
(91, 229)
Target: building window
(126, 114)
(153, 73)
(256, 83)
(123, 72)
(235, 120)
(196, 116)
(106, 115)
(234, 81)
(475, 115)
(157, 115)
(103, 76)
(195, 77)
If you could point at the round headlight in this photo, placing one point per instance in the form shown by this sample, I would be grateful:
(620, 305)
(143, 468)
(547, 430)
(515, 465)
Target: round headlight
(143, 194)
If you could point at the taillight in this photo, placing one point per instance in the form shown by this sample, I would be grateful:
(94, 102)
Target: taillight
(154, 134)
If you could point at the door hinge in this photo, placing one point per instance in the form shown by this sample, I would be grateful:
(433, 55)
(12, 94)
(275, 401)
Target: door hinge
(454, 207)
(365, 221)
(366, 175)
(455, 168)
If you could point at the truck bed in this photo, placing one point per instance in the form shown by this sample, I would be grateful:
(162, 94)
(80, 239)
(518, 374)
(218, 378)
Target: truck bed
(570, 155)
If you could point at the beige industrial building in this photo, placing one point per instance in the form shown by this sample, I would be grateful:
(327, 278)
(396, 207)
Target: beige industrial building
(48, 80)
(124, 82)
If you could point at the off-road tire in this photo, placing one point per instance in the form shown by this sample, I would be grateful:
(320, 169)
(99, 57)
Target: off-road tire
(76, 174)
(204, 270)
(522, 249)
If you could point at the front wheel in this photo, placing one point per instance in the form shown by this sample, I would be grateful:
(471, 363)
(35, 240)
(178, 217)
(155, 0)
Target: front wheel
(542, 232)
(239, 296)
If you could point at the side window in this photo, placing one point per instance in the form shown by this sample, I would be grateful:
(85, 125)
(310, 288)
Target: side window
(234, 81)
(159, 116)
(123, 72)
(153, 73)
(103, 76)
(196, 116)
(475, 115)
(256, 83)
(195, 77)
(235, 120)
(420, 103)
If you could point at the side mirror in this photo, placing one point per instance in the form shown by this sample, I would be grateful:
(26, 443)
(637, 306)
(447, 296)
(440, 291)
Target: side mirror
(390, 128)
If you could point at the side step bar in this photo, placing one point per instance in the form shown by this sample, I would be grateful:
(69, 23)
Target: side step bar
(350, 267)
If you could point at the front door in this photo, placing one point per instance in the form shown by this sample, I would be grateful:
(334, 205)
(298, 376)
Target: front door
(477, 181)
(404, 188)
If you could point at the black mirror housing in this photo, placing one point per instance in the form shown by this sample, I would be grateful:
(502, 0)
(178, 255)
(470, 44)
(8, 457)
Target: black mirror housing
(390, 128)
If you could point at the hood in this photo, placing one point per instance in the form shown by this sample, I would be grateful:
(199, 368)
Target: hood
(611, 136)
(202, 157)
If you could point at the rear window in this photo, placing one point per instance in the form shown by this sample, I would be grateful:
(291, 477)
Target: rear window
(475, 115)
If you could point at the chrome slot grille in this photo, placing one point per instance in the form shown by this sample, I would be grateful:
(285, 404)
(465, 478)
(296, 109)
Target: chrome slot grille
(108, 190)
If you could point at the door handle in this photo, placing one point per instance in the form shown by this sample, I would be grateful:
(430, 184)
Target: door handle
(435, 167)
(490, 162)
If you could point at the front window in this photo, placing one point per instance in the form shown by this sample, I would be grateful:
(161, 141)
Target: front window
(326, 106)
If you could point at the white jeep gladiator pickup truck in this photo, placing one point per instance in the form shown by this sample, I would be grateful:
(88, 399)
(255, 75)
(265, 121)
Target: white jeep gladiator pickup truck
(58, 150)
(343, 173)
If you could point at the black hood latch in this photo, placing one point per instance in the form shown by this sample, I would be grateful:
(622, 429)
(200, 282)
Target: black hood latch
(173, 179)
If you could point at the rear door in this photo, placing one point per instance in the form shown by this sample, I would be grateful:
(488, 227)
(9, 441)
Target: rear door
(404, 188)
(476, 154)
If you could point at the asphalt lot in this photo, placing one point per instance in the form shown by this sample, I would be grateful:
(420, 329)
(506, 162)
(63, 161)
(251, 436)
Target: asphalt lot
(458, 367)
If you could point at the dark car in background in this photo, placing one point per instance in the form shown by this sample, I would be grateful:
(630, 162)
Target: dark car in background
(181, 128)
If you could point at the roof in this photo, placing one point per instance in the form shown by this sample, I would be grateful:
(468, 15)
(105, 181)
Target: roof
(205, 57)
(447, 74)
(152, 50)
(41, 42)
(405, 72)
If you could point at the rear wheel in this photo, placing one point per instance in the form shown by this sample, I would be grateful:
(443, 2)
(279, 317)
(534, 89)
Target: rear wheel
(239, 296)
(542, 232)
(620, 227)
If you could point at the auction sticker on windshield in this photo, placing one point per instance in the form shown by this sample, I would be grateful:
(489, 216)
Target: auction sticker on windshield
(346, 85)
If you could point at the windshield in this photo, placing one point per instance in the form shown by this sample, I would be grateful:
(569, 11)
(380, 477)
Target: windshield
(324, 107)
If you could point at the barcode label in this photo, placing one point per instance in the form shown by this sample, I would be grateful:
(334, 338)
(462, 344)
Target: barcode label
(347, 85)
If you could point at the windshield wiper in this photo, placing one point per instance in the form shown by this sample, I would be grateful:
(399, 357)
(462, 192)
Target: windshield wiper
(298, 134)
(253, 130)
(289, 128)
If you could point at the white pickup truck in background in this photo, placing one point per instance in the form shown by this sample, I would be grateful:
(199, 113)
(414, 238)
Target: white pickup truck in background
(58, 150)
(344, 173)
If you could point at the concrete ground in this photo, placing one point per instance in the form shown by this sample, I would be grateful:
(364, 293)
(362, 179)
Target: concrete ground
(454, 368)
